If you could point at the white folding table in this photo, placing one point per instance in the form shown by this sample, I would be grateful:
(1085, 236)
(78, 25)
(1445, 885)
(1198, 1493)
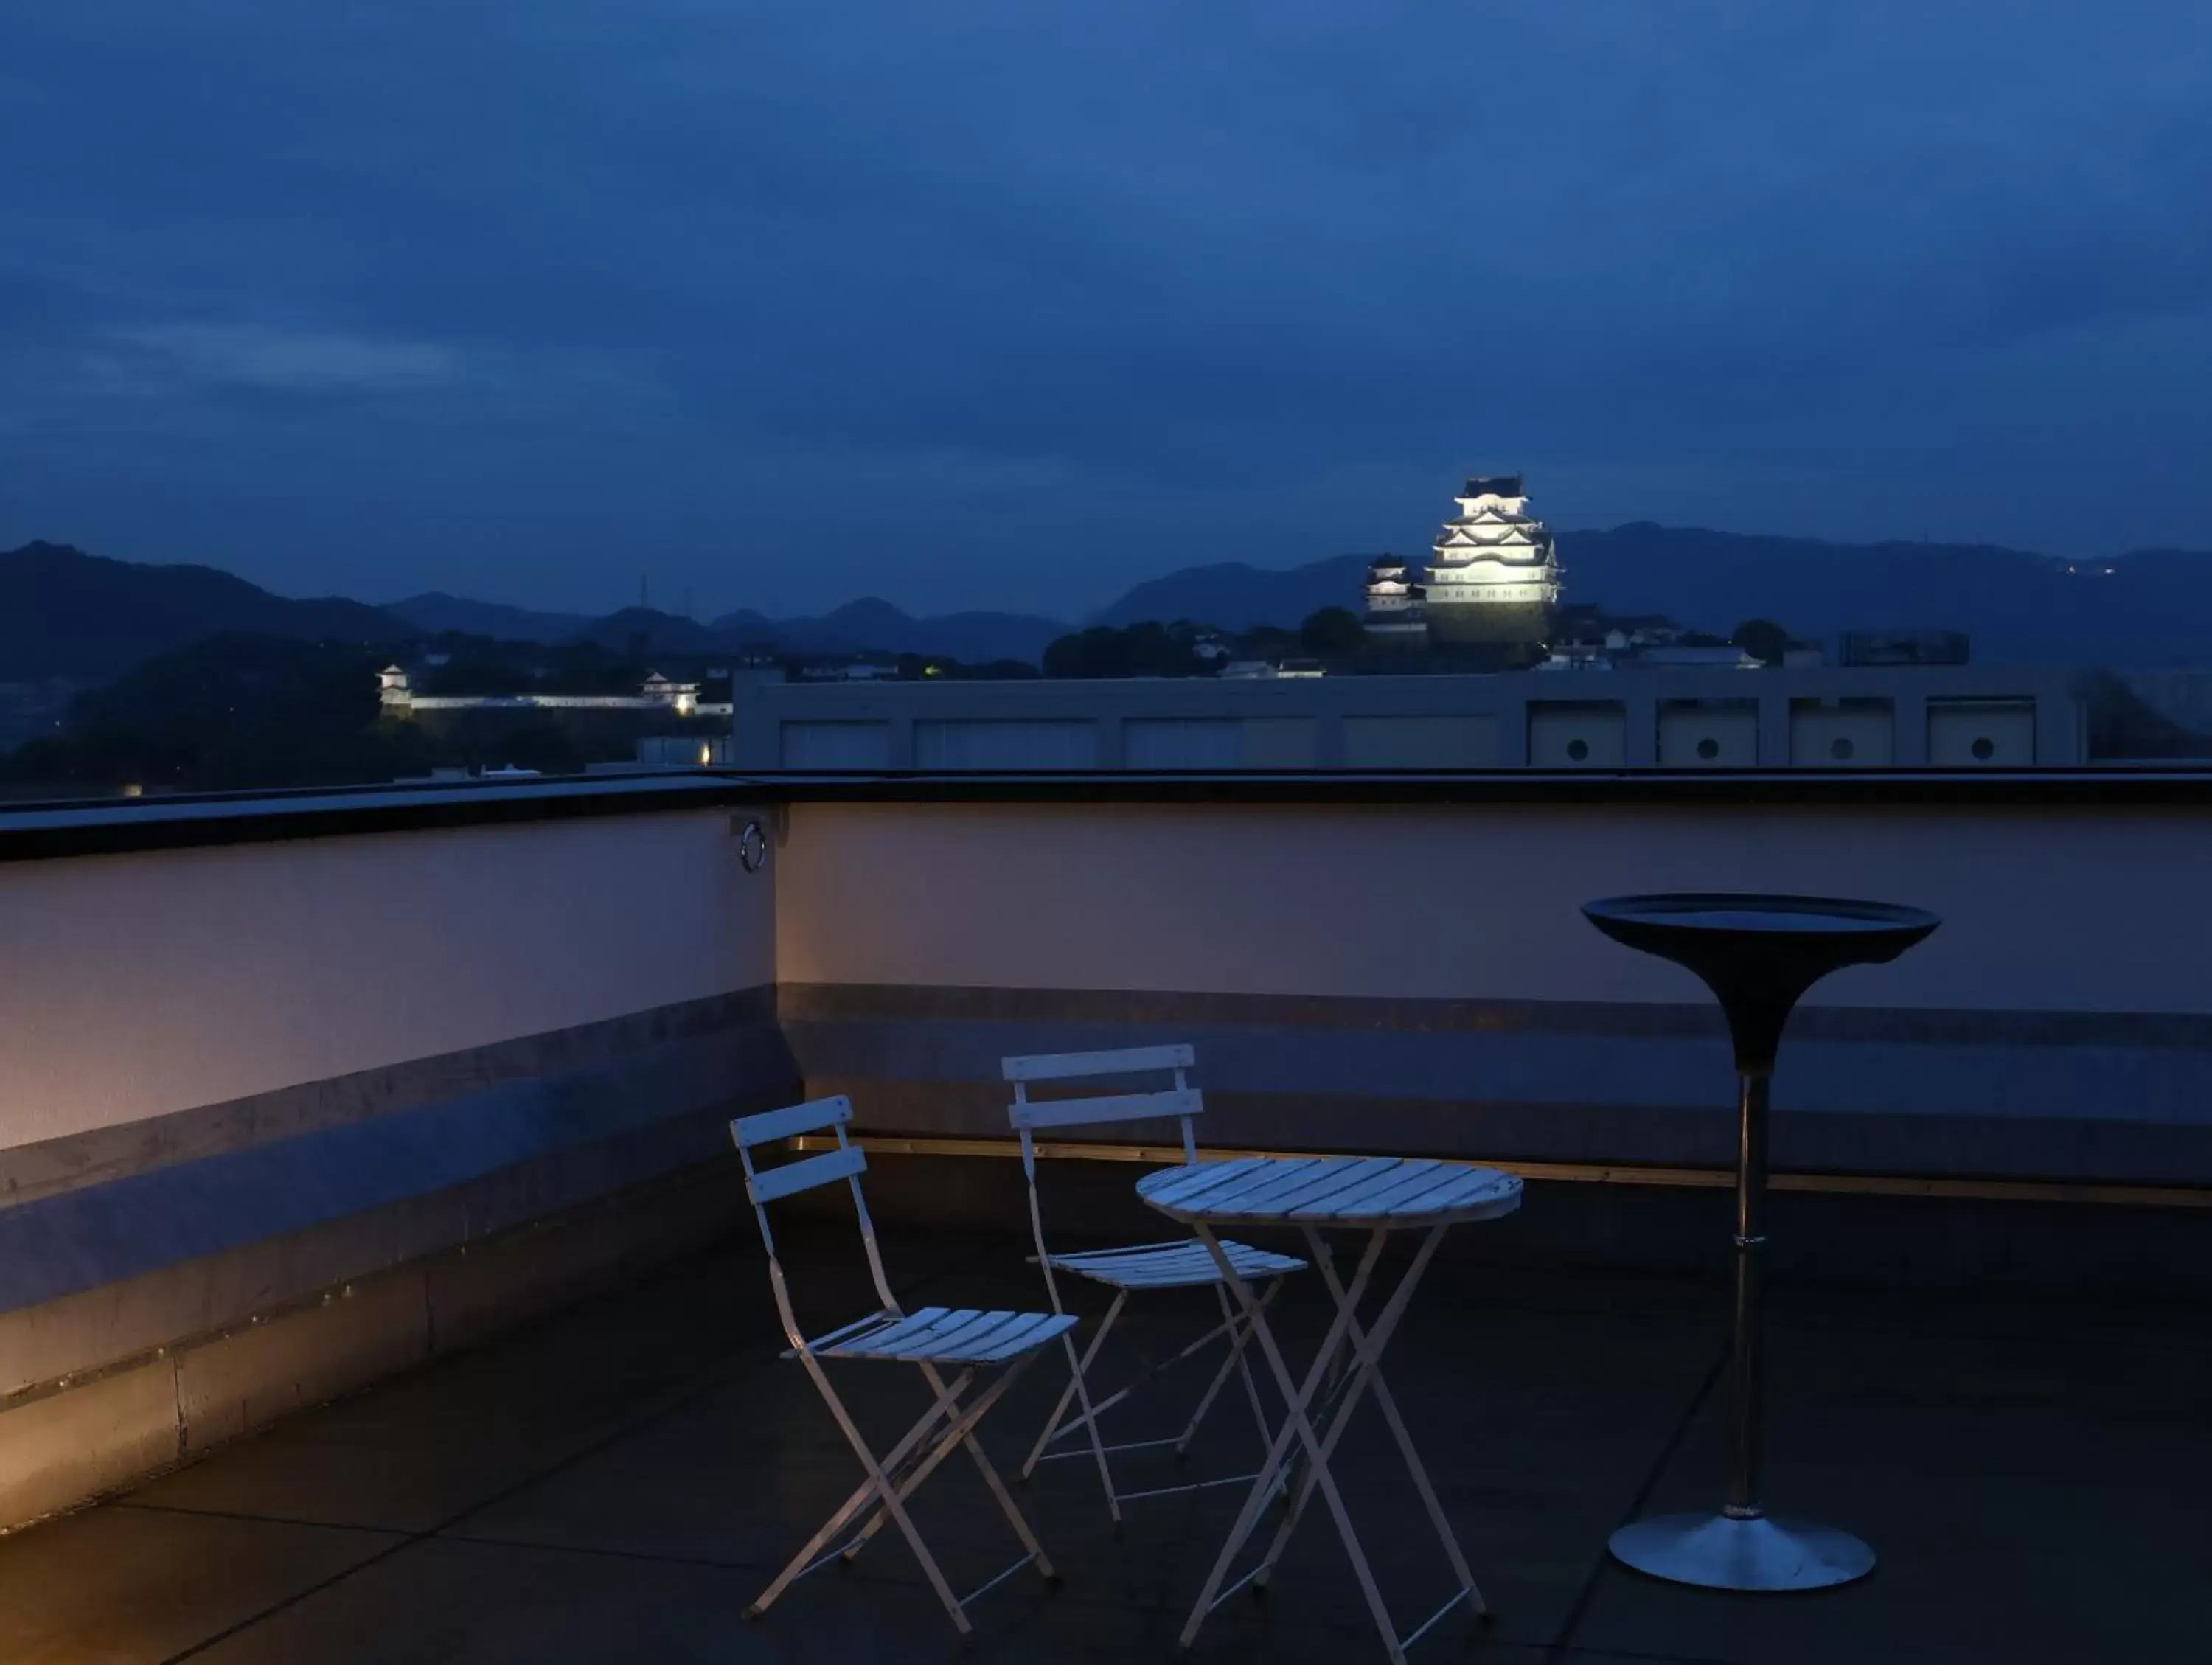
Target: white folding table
(1377, 1195)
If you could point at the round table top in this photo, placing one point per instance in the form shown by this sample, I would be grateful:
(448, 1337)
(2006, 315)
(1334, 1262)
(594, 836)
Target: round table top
(1384, 1192)
(1700, 928)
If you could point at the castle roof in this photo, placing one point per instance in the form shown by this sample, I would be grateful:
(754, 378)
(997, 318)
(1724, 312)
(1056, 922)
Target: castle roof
(1489, 485)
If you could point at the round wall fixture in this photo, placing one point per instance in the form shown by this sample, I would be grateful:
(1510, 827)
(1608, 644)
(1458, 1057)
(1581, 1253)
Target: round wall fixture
(752, 847)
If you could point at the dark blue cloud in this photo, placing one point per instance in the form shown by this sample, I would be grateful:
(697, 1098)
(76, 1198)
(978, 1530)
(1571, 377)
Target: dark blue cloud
(999, 304)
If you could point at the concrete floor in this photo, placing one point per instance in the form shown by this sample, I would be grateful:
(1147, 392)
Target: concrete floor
(617, 1484)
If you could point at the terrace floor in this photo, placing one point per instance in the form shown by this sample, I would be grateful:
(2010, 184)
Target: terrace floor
(618, 1483)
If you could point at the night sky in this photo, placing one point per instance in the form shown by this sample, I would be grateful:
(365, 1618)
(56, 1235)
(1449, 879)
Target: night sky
(1012, 304)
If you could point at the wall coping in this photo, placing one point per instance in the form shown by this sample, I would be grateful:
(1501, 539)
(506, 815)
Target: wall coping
(107, 827)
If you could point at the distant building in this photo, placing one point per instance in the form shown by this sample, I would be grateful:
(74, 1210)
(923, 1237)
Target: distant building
(1883, 648)
(662, 690)
(1678, 658)
(1495, 576)
(396, 693)
(1704, 715)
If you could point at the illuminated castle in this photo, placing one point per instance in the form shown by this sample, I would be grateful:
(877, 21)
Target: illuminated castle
(1495, 578)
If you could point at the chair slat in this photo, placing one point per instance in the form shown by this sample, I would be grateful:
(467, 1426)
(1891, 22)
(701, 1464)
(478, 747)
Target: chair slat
(974, 1339)
(809, 1117)
(899, 1332)
(805, 1174)
(1060, 1065)
(1032, 1330)
(1121, 1107)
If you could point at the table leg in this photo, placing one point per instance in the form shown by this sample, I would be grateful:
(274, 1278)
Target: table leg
(1744, 1363)
(1742, 1547)
(1297, 1397)
(1366, 1369)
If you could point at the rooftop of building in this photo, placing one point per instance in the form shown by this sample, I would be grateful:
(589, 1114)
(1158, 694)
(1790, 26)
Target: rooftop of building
(619, 1482)
(421, 1117)
(1492, 485)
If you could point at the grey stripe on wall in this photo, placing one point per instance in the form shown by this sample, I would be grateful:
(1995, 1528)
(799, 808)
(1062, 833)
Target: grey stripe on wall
(95, 1157)
(570, 1115)
(2117, 1097)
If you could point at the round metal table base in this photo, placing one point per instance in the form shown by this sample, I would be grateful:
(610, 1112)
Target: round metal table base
(1722, 1554)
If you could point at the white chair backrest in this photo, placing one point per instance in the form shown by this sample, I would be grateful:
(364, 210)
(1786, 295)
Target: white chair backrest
(1181, 1101)
(766, 1185)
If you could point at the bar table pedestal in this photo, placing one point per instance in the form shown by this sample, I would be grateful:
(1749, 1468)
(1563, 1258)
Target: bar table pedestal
(1758, 954)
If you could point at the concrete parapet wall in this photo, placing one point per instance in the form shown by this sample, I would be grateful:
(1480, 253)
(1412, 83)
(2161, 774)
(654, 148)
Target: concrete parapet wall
(280, 1117)
(2067, 909)
(137, 985)
(74, 1439)
(284, 1115)
(385, 1218)
(2102, 1100)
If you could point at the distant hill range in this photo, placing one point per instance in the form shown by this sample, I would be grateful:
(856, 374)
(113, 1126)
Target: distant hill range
(1237, 597)
(64, 613)
(437, 612)
(2145, 607)
(976, 638)
(67, 614)
(857, 627)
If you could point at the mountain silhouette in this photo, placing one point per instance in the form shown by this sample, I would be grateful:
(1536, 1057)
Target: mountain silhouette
(436, 612)
(64, 613)
(1237, 596)
(2145, 607)
(870, 623)
(654, 632)
(67, 614)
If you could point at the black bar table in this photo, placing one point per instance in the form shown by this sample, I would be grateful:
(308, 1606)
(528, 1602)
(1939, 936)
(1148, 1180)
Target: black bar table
(1758, 954)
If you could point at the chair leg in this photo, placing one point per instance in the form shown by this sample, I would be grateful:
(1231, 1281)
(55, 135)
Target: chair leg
(896, 1466)
(1091, 1416)
(893, 1500)
(1015, 1518)
(1077, 1368)
(1239, 1332)
(1148, 1368)
(960, 1431)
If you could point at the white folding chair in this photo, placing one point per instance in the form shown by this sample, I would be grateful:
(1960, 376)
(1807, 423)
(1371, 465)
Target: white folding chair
(961, 1338)
(1184, 1263)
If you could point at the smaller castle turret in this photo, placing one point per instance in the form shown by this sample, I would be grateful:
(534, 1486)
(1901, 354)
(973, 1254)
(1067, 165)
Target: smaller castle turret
(1396, 606)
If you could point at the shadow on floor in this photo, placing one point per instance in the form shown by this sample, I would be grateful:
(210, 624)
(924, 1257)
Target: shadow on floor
(619, 1482)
